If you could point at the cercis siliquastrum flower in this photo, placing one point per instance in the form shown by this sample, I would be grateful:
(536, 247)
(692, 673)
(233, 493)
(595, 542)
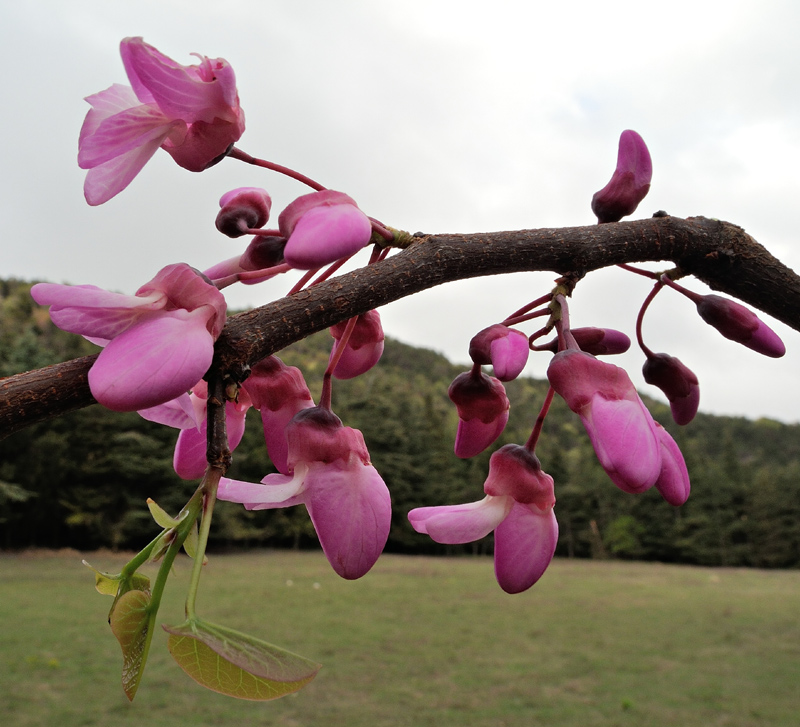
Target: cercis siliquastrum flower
(157, 344)
(329, 471)
(363, 348)
(596, 341)
(504, 348)
(322, 227)
(678, 383)
(518, 507)
(192, 112)
(243, 209)
(483, 410)
(630, 182)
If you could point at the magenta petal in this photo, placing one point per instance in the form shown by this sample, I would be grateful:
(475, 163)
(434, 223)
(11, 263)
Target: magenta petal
(673, 482)
(524, 544)
(350, 507)
(623, 436)
(177, 413)
(155, 360)
(456, 524)
(509, 355)
(325, 234)
(475, 435)
(274, 491)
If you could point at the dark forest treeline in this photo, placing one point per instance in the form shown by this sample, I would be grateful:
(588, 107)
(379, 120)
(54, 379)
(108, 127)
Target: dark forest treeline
(82, 480)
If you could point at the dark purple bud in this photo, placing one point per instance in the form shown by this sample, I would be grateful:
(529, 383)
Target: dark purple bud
(482, 412)
(263, 252)
(739, 324)
(678, 383)
(630, 182)
(242, 209)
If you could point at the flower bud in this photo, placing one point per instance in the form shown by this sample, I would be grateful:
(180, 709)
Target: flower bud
(516, 472)
(739, 324)
(482, 412)
(504, 348)
(596, 341)
(629, 183)
(364, 347)
(242, 209)
(678, 383)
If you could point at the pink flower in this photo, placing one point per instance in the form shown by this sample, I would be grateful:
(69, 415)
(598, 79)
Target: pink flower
(192, 112)
(619, 426)
(364, 347)
(279, 392)
(596, 341)
(519, 508)
(504, 348)
(630, 182)
(157, 344)
(322, 227)
(330, 472)
(483, 409)
(678, 383)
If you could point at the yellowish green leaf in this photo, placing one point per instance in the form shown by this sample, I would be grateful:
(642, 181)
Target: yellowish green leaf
(114, 584)
(129, 623)
(162, 518)
(235, 664)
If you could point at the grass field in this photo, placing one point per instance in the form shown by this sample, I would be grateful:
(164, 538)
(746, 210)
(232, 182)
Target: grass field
(421, 642)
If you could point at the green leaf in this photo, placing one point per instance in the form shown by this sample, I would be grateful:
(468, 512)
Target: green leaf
(129, 620)
(115, 585)
(235, 664)
(161, 516)
(191, 543)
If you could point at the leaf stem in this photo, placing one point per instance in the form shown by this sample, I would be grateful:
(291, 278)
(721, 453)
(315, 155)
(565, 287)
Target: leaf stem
(210, 485)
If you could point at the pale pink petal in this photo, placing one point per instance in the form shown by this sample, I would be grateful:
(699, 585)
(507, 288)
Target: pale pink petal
(152, 362)
(524, 544)
(113, 100)
(177, 413)
(274, 491)
(623, 436)
(178, 90)
(350, 507)
(124, 132)
(456, 524)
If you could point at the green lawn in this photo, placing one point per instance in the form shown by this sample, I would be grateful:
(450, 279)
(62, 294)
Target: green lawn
(421, 641)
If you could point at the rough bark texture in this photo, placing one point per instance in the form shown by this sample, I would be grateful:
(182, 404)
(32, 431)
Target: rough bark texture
(719, 253)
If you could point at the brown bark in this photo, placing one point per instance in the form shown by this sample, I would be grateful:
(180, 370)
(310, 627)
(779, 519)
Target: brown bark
(719, 253)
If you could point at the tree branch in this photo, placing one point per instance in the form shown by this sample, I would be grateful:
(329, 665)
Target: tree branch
(720, 254)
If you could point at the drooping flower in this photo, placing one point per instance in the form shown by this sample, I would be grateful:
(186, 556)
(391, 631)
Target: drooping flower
(483, 410)
(739, 324)
(279, 392)
(630, 182)
(506, 349)
(331, 473)
(364, 347)
(619, 426)
(263, 253)
(322, 227)
(241, 209)
(192, 112)
(678, 383)
(157, 344)
(519, 508)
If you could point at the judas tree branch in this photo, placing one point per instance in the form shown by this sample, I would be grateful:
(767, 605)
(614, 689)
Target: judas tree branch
(720, 254)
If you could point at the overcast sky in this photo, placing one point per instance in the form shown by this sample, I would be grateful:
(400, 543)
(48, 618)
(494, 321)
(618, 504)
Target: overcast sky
(435, 115)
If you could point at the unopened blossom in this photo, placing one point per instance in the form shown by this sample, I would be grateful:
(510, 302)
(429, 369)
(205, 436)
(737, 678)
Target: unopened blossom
(596, 341)
(364, 346)
(483, 409)
(739, 324)
(506, 349)
(242, 209)
(678, 383)
(157, 344)
(279, 392)
(192, 112)
(619, 426)
(519, 508)
(630, 182)
(263, 253)
(322, 227)
(331, 474)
